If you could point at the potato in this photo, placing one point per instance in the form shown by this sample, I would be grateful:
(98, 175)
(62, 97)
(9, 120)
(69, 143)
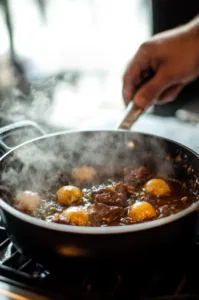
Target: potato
(157, 187)
(27, 200)
(84, 173)
(68, 194)
(140, 211)
(75, 215)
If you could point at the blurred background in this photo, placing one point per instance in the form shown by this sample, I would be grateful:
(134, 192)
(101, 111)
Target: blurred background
(62, 61)
(68, 57)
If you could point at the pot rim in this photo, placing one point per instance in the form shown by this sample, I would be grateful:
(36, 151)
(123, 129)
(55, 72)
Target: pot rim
(97, 230)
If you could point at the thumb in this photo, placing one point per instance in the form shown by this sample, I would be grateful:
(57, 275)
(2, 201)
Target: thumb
(151, 90)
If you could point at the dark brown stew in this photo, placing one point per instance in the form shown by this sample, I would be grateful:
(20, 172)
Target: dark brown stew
(135, 196)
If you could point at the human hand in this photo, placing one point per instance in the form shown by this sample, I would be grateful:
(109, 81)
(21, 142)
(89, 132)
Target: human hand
(172, 57)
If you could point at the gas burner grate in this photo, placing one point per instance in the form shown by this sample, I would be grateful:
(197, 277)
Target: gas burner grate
(101, 282)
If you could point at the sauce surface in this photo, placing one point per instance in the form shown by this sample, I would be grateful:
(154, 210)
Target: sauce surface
(79, 199)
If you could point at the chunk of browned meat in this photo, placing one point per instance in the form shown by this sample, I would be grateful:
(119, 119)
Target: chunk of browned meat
(114, 195)
(125, 189)
(136, 176)
(102, 213)
(109, 196)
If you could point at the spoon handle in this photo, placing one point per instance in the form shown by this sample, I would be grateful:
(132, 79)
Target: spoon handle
(132, 113)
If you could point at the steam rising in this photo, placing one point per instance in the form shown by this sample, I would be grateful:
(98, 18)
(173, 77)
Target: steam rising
(29, 101)
(35, 166)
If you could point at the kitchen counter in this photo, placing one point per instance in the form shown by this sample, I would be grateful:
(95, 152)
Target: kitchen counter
(170, 127)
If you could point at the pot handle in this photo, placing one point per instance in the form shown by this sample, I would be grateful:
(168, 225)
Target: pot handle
(8, 129)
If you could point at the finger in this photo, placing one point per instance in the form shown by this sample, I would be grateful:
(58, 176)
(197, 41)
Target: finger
(170, 94)
(136, 71)
(130, 81)
(151, 90)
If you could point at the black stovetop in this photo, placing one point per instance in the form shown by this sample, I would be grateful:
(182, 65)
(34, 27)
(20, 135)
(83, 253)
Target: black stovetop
(164, 279)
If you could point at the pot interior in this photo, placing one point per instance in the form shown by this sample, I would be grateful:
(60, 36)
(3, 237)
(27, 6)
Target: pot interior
(35, 165)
